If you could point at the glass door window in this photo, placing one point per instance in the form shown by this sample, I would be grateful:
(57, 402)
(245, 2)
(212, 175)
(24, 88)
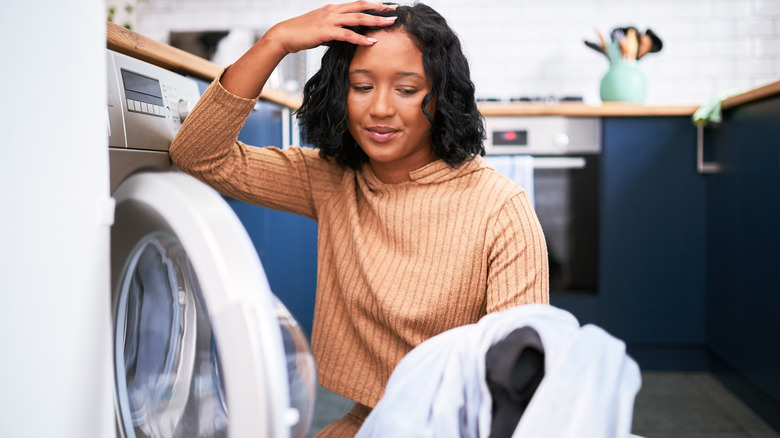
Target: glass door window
(167, 364)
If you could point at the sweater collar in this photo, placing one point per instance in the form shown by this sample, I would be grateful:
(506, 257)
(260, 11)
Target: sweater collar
(435, 172)
(440, 171)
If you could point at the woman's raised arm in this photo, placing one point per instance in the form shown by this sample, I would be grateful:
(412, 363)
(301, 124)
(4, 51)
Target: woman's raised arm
(246, 77)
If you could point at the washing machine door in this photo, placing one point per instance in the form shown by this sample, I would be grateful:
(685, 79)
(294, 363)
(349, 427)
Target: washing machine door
(202, 346)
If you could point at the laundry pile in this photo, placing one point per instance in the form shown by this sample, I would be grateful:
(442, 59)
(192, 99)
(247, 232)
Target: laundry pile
(529, 371)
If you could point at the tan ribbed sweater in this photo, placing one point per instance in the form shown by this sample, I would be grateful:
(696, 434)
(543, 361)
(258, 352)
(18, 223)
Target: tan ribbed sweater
(397, 263)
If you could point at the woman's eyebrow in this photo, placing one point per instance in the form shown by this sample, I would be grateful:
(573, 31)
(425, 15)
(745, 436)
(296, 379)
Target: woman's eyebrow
(411, 73)
(402, 73)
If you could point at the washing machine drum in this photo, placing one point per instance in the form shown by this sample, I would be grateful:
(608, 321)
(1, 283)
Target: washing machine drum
(180, 369)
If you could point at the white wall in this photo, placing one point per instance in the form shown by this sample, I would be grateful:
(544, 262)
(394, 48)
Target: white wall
(55, 371)
(523, 47)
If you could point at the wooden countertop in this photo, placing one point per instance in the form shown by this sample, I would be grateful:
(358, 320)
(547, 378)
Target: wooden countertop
(154, 52)
(610, 109)
(754, 95)
(138, 46)
(574, 109)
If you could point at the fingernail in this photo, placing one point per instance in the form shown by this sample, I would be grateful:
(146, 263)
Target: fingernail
(371, 40)
(391, 19)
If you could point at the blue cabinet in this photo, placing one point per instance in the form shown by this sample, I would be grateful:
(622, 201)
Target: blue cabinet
(688, 261)
(743, 257)
(653, 241)
(286, 243)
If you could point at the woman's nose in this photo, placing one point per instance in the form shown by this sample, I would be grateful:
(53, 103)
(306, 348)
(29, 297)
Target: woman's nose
(381, 104)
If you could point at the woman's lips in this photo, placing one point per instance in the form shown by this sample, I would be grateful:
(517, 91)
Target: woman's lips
(381, 134)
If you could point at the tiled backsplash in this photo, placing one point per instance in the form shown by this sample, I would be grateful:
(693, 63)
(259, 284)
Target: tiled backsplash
(533, 48)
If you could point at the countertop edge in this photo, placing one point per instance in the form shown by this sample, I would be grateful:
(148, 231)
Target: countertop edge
(614, 109)
(128, 42)
(754, 95)
(491, 109)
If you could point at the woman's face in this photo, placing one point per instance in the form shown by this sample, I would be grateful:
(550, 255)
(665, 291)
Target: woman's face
(387, 84)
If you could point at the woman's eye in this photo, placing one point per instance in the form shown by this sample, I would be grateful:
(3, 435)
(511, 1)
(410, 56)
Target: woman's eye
(361, 88)
(407, 91)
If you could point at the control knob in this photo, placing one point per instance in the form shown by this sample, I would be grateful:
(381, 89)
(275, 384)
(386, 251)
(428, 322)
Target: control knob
(185, 108)
(561, 140)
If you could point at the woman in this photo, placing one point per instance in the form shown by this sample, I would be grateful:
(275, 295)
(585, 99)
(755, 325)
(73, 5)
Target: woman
(416, 235)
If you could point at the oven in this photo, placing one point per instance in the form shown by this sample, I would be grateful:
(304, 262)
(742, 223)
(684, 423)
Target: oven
(562, 155)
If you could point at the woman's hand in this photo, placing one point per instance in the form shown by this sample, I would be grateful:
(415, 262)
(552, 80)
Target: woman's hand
(327, 24)
(249, 73)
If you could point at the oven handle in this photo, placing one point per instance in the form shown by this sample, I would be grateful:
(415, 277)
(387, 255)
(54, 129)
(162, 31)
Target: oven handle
(559, 163)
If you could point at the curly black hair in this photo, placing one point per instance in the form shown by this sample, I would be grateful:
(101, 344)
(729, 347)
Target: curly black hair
(457, 131)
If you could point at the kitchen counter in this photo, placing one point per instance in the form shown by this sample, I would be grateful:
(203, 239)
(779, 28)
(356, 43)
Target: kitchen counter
(767, 91)
(614, 109)
(576, 109)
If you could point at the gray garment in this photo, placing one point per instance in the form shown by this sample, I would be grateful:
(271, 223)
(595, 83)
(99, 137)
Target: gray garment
(514, 367)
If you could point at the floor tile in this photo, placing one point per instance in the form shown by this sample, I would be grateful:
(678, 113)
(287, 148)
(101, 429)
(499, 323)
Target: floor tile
(328, 408)
(733, 407)
(689, 414)
(667, 383)
(692, 435)
(693, 405)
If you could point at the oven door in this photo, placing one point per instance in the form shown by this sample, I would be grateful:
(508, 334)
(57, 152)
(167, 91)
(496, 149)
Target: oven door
(566, 192)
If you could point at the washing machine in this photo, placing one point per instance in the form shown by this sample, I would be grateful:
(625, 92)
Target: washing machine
(202, 347)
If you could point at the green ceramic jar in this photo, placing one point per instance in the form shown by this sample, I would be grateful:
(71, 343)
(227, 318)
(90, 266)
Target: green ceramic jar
(624, 82)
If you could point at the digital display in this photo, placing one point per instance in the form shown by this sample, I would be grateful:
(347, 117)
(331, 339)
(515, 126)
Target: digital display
(510, 138)
(141, 88)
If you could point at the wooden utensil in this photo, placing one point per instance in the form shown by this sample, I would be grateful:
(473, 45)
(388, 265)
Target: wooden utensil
(601, 40)
(645, 44)
(631, 44)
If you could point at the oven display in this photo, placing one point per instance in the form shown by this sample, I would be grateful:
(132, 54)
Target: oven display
(510, 138)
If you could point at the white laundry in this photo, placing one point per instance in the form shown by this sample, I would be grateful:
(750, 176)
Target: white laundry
(439, 388)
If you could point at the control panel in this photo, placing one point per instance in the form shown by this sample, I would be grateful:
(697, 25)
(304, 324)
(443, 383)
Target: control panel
(146, 104)
(542, 135)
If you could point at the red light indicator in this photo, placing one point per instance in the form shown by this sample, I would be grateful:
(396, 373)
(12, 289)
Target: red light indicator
(510, 135)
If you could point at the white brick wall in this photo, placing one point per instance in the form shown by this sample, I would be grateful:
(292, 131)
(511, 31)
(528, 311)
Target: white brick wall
(524, 47)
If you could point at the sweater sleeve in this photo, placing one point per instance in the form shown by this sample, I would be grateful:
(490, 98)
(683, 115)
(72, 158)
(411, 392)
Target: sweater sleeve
(518, 266)
(207, 147)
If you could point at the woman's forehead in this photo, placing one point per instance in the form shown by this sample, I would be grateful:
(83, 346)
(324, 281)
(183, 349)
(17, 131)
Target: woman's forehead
(394, 50)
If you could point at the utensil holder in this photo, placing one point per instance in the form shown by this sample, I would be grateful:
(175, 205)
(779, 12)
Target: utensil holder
(624, 82)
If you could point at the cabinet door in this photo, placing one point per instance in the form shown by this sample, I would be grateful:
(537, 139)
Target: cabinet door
(285, 242)
(743, 288)
(652, 233)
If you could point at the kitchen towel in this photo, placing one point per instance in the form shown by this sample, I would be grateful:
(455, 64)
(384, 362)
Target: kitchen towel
(518, 168)
(710, 111)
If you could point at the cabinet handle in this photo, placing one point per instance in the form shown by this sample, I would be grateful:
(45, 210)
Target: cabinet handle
(701, 166)
(559, 163)
(286, 140)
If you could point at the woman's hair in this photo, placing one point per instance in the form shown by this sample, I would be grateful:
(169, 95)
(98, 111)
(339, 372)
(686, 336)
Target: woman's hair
(456, 127)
